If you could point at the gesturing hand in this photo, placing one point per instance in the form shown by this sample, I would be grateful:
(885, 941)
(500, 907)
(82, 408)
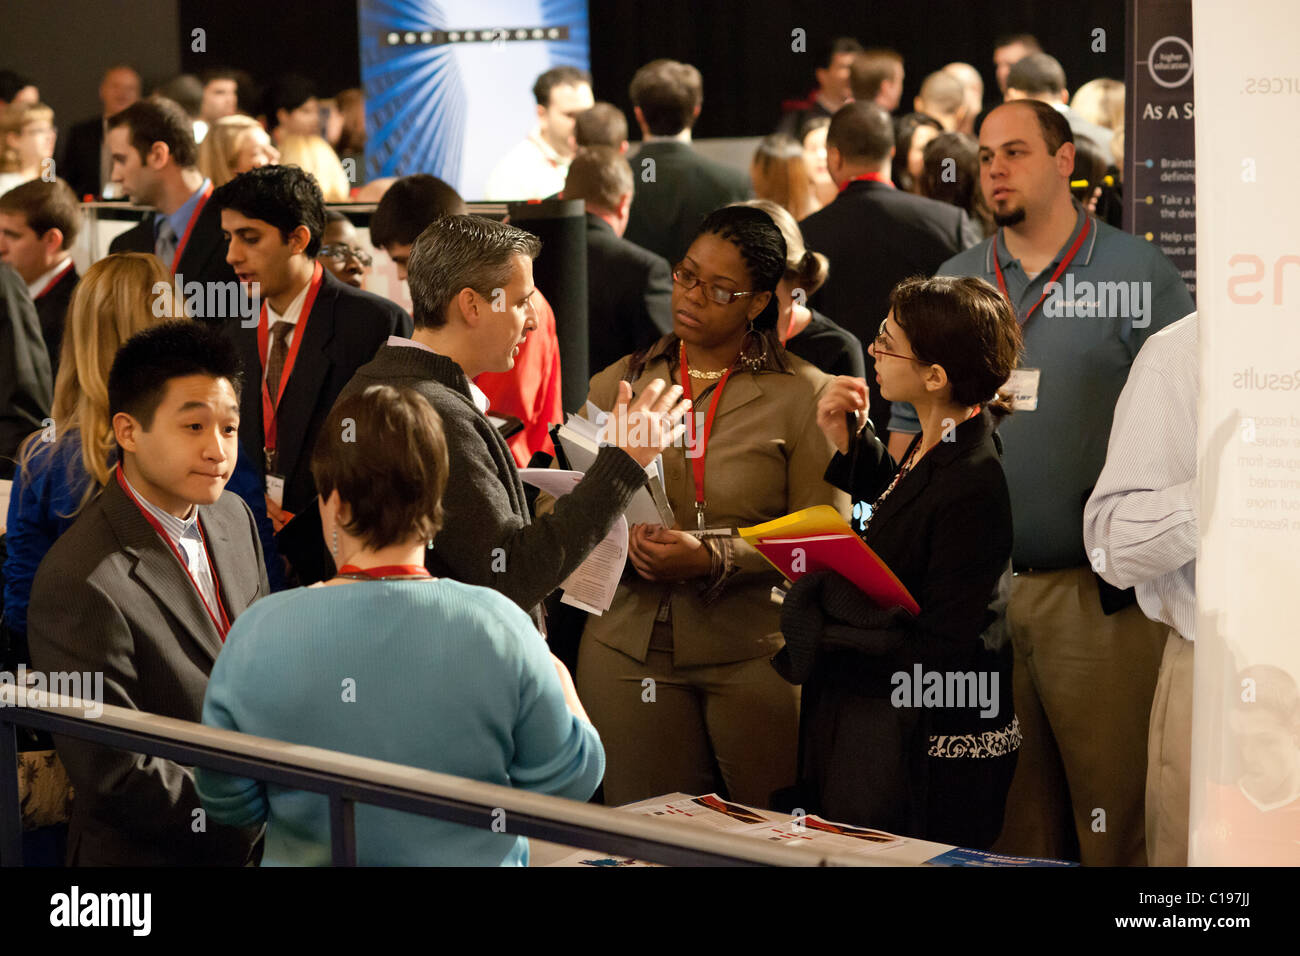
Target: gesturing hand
(666, 554)
(843, 394)
(650, 424)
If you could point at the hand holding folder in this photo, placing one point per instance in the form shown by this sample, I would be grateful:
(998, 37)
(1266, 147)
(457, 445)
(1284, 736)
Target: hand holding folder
(817, 539)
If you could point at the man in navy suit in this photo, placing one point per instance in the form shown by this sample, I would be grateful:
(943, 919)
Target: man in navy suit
(874, 235)
(675, 186)
(310, 336)
(629, 289)
(151, 144)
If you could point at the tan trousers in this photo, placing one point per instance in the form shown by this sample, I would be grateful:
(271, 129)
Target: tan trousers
(1169, 756)
(1083, 683)
(740, 718)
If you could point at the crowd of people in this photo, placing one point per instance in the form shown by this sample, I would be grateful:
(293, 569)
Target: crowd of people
(285, 506)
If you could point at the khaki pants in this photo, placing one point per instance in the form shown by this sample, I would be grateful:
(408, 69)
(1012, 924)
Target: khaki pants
(1169, 756)
(739, 718)
(1083, 683)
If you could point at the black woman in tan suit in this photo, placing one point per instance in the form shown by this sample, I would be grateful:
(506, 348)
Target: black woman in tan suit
(675, 675)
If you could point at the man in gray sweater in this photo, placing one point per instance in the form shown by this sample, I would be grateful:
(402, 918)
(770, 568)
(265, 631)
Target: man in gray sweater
(471, 284)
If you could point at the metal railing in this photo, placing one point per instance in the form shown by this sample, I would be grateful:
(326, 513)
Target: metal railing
(348, 780)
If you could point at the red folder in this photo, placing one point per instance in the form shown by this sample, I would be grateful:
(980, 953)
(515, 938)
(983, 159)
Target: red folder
(818, 539)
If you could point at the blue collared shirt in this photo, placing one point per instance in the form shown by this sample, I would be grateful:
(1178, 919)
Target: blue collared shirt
(185, 535)
(181, 217)
(1082, 340)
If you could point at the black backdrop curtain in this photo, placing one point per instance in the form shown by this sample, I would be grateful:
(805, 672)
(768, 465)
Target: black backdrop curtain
(742, 47)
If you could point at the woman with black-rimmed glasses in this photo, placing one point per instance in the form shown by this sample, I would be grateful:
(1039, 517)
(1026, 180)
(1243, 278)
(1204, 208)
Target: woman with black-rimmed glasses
(675, 674)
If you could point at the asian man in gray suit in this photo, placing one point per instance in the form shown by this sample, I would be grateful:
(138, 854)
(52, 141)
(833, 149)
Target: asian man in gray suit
(143, 587)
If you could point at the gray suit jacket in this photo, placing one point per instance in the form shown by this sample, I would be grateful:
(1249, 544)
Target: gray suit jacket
(110, 596)
(26, 386)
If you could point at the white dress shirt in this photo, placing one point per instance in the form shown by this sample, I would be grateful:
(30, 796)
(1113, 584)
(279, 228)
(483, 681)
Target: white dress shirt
(1143, 510)
(531, 170)
(185, 535)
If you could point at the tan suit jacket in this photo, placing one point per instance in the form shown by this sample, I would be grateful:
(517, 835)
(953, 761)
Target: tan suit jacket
(765, 458)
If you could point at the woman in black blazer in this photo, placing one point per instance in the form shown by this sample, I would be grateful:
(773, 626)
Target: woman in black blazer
(907, 722)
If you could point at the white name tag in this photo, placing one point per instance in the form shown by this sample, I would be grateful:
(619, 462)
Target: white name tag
(275, 489)
(1024, 389)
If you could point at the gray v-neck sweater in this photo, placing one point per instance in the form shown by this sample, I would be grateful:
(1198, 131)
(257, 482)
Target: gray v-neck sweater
(487, 536)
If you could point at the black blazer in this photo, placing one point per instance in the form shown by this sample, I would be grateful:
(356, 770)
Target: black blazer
(834, 350)
(110, 596)
(945, 531)
(26, 386)
(629, 296)
(876, 236)
(344, 331)
(202, 260)
(52, 308)
(81, 153)
(668, 206)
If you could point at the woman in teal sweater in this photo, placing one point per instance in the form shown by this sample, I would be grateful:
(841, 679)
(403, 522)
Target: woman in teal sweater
(386, 662)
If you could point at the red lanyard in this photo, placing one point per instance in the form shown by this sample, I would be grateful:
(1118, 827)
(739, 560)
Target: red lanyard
(697, 463)
(388, 571)
(269, 408)
(194, 217)
(55, 281)
(222, 622)
(1069, 257)
(869, 178)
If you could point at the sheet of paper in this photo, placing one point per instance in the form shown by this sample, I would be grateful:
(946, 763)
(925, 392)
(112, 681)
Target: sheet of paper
(592, 584)
(825, 835)
(556, 482)
(712, 811)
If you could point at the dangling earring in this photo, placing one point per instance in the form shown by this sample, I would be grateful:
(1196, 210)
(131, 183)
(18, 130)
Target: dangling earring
(334, 542)
(751, 361)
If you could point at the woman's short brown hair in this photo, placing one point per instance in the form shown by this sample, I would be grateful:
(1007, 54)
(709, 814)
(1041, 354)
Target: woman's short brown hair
(966, 326)
(384, 452)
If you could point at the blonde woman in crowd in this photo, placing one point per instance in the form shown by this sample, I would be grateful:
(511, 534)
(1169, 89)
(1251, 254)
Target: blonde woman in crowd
(779, 174)
(813, 139)
(804, 331)
(313, 155)
(1101, 101)
(27, 137)
(62, 468)
(234, 145)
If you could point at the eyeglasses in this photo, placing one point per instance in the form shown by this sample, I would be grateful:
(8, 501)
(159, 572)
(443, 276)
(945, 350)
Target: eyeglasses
(340, 252)
(877, 342)
(687, 279)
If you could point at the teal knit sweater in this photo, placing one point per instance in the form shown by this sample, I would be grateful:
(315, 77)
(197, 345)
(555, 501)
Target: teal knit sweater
(433, 674)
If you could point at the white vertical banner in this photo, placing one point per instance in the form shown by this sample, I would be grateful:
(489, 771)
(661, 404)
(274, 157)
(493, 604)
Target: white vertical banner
(1245, 794)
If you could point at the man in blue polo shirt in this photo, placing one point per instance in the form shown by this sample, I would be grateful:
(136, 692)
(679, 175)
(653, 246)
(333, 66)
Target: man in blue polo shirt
(1087, 297)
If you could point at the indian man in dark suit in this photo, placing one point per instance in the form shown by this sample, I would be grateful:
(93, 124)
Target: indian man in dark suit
(154, 158)
(143, 588)
(629, 289)
(675, 187)
(39, 222)
(310, 336)
(875, 235)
